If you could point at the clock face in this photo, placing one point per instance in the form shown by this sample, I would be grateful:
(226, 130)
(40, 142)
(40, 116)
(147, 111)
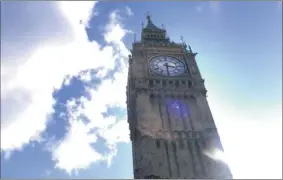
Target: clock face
(167, 66)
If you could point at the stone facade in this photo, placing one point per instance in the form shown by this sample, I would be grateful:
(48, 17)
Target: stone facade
(170, 121)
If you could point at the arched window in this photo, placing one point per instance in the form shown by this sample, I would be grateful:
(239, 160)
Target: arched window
(150, 83)
(177, 83)
(157, 143)
(164, 83)
(190, 84)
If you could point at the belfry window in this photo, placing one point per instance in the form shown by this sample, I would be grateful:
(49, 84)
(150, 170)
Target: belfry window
(174, 145)
(150, 83)
(170, 83)
(182, 146)
(151, 98)
(190, 84)
(158, 143)
(177, 83)
(164, 83)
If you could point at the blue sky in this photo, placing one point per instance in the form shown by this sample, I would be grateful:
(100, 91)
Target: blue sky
(60, 62)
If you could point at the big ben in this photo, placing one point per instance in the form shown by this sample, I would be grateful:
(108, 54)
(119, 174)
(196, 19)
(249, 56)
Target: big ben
(171, 126)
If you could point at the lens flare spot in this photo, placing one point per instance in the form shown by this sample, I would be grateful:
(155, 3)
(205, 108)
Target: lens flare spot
(216, 154)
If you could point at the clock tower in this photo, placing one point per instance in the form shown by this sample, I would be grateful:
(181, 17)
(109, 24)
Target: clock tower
(172, 130)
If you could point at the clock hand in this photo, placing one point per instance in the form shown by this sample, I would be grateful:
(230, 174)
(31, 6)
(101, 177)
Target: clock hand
(167, 66)
(171, 66)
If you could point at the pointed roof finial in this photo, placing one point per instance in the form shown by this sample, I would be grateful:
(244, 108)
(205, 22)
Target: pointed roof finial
(191, 51)
(182, 39)
(183, 42)
(148, 16)
(135, 37)
(150, 24)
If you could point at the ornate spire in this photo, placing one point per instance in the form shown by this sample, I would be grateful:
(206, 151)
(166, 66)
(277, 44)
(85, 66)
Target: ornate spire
(150, 24)
(152, 33)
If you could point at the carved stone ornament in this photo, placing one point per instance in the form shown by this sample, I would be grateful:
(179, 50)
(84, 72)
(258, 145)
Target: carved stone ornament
(194, 54)
(194, 70)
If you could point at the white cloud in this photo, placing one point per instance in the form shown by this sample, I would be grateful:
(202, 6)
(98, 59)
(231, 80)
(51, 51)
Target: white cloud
(100, 99)
(75, 151)
(213, 6)
(129, 11)
(112, 130)
(27, 88)
(78, 13)
(28, 83)
(117, 133)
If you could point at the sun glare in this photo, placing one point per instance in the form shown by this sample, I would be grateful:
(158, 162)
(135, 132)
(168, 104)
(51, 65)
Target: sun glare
(216, 154)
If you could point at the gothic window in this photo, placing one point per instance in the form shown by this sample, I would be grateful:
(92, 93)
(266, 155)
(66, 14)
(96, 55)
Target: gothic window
(157, 81)
(166, 143)
(170, 83)
(150, 83)
(182, 146)
(190, 84)
(183, 82)
(177, 83)
(164, 83)
(174, 145)
(158, 143)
